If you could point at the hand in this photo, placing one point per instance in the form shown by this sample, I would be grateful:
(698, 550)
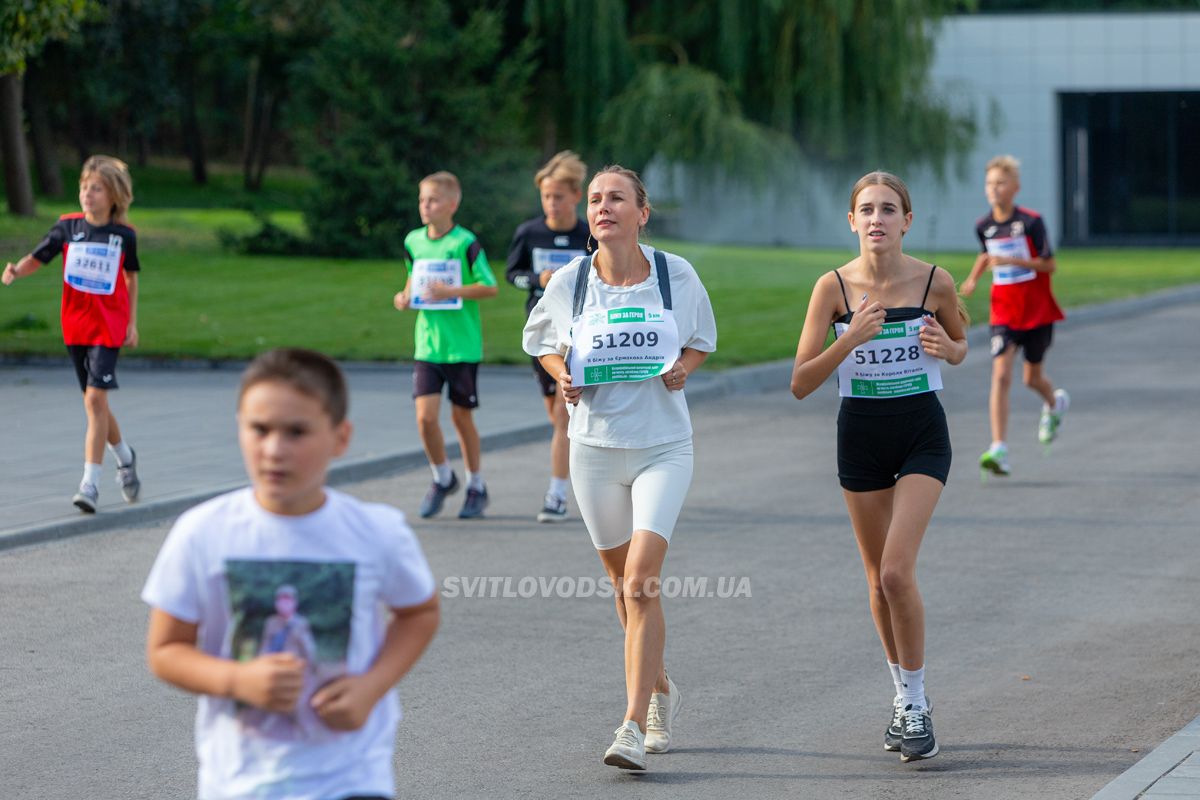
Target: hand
(271, 682)
(545, 276)
(934, 339)
(10, 274)
(569, 392)
(866, 323)
(131, 335)
(675, 377)
(968, 287)
(401, 301)
(345, 703)
(440, 291)
(998, 261)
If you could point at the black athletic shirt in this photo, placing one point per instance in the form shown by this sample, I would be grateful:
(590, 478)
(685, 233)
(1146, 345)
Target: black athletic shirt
(535, 233)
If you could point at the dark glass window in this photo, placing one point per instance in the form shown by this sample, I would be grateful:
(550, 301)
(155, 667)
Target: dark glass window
(1131, 166)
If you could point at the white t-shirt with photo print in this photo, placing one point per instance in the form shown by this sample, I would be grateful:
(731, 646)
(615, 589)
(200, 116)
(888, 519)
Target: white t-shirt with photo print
(369, 543)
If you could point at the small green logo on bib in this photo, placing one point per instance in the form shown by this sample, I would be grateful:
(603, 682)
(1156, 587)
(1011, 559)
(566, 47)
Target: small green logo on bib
(618, 315)
(893, 330)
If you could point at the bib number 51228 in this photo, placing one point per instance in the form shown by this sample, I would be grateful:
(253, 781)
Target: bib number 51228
(887, 355)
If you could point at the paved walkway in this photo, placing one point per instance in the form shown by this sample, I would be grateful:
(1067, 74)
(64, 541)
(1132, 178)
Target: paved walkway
(181, 421)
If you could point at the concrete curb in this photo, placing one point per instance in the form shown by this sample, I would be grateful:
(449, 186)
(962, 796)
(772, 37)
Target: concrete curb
(1158, 762)
(716, 384)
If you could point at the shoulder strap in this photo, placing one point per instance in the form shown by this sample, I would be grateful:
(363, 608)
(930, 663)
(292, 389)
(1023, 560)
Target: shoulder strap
(664, 278)
(845, 300)
(928, 283)
(581, 280)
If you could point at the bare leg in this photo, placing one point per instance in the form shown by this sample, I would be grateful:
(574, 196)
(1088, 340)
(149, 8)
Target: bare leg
(916, 496)
(430, 429)
(101, 426)
(560, 445)
(871, 516)
(1035, 378)
(468, 436)
(998, 402)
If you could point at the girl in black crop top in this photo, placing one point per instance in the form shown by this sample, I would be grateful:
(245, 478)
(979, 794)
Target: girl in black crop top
(893, 453)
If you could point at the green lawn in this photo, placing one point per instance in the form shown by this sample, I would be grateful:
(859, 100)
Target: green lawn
(199, 301)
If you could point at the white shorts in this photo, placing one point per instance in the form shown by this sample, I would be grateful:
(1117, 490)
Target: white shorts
(620, 491)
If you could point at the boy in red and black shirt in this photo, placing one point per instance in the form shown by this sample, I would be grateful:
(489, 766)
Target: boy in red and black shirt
(99, 310)
(1016, 248)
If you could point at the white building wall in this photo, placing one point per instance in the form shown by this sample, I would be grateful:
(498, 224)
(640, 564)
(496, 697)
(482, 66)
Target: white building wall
(1018, 63)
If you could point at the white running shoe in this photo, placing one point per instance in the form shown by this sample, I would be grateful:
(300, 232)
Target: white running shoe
(1052, 417)
(995, 461)
(662, 712)
(628, 750)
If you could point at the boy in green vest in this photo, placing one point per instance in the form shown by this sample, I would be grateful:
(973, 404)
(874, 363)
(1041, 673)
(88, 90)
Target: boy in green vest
(448, 273)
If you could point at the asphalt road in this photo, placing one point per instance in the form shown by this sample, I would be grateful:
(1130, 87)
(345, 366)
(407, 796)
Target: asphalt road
(1061, 609)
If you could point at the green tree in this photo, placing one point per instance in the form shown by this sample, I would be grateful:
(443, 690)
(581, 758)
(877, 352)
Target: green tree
(25, 27)
(395, 91)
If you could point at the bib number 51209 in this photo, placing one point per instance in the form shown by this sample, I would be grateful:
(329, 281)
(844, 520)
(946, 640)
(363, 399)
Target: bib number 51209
(624, 339)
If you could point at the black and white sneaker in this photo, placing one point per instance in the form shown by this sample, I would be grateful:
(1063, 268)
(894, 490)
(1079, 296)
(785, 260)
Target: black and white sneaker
(127, 479)
(918, 741)
(554, 509)
(87, 498)
(895, 729)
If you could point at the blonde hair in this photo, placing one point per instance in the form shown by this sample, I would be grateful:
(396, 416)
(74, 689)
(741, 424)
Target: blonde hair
(565, 167)
(881, 178)
(639, 189)
(114, 174)
(445, 180)
(1008, 164)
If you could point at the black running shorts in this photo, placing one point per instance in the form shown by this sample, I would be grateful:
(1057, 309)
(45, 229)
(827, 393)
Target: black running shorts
(95, 365)
(1035, 341)
(880, 441)
(429, 378)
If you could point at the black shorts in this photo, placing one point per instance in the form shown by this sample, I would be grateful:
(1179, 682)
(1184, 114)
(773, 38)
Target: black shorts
(95, 365)
(544, 379)
(429, 378)
(880, 441)
(1035, 341)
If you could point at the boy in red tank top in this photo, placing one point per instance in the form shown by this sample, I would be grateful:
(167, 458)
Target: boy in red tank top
(99, 310)
(1016, 248)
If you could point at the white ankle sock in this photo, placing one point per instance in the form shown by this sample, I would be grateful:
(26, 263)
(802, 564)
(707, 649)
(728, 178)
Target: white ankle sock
(913, 685)
(895, 670)
(442, 473)
(999, 445)
(91, 474)
(558, 487)
(475, 481)
(122, 453)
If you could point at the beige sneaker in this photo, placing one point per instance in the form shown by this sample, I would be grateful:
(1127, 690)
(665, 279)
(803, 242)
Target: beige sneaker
(628, 750)
(662, 712)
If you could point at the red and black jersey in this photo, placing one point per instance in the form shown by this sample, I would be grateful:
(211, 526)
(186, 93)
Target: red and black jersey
(535, 247)
(96, 258)
(1021, 298)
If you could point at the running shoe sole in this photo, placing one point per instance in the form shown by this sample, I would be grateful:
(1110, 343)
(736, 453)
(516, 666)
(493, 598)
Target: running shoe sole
(84, 503)
(622, 761)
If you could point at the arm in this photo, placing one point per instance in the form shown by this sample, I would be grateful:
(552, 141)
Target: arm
(472, 291)
(556, 365)
(272, 682)
(982, 262)
(131, 333)
(688, 362)
(815, 362)
(944, 335)
(346, 703)
(519, 268)
(26, 266)
(403, 298)
(1038, 264)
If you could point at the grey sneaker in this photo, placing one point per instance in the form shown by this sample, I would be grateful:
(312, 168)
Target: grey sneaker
(87, 498)
(475, 503)
(662, 712)
(918, 739)
(554, 509)
(435, 498)
(628, 750)
(127, 479)
(894, 734)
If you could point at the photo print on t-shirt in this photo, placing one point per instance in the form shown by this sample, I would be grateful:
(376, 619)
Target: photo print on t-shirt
(298, 607)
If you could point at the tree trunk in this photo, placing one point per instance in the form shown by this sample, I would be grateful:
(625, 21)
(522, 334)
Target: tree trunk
(12, 146)
(193, 141)
(41, 134)
(250, 123)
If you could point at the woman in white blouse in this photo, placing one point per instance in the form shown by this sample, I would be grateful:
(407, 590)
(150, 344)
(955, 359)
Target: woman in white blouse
(621, 330)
